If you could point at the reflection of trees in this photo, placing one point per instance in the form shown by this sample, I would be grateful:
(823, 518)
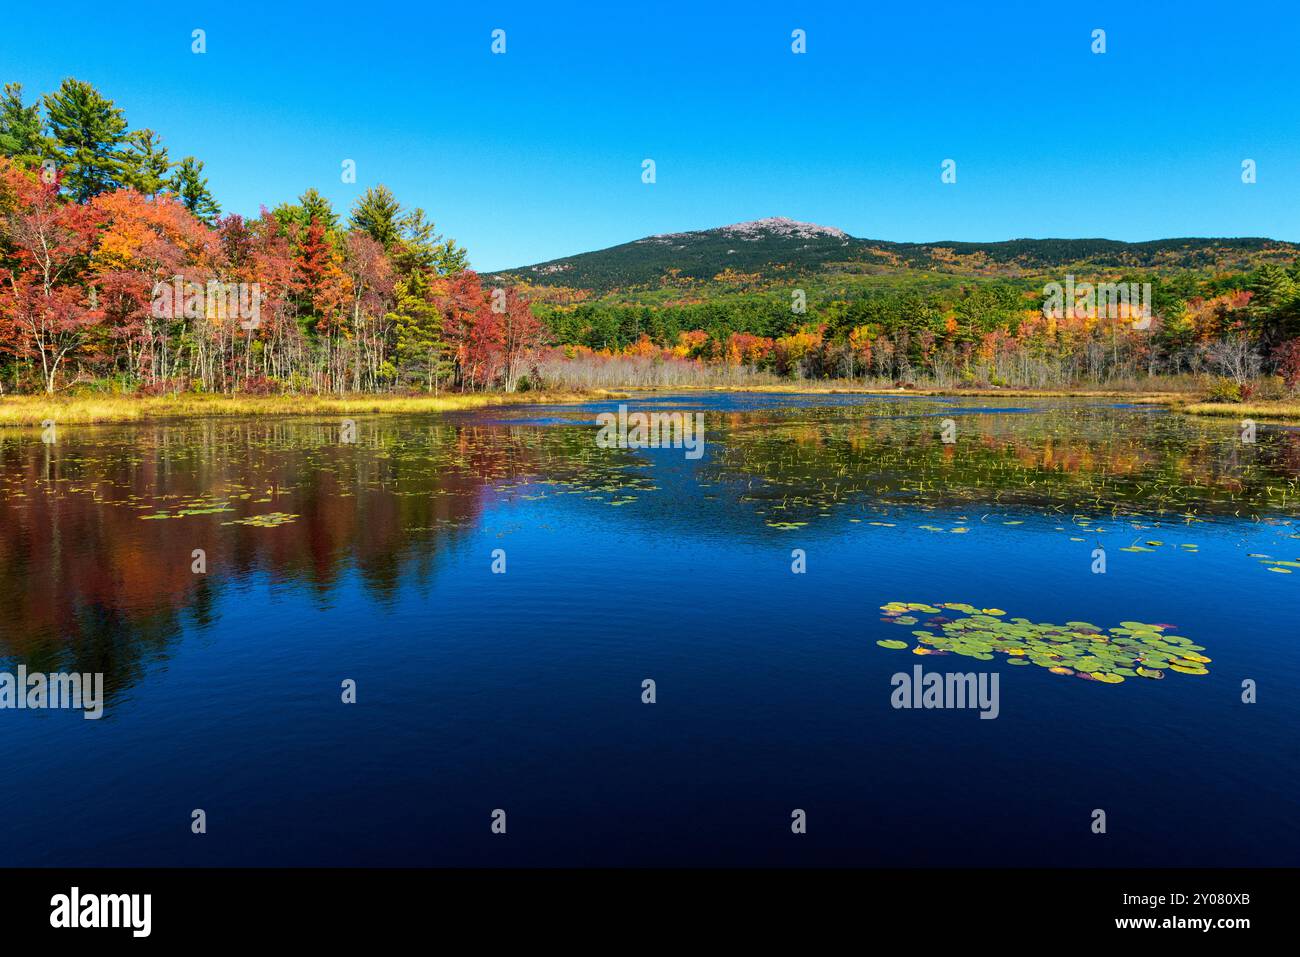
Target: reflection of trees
(87, 584)
(1091, 461)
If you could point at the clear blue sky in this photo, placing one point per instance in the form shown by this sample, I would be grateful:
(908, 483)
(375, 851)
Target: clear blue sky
(537, 154)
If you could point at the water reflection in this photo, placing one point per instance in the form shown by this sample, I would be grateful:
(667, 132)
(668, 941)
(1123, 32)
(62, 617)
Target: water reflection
(98, 532)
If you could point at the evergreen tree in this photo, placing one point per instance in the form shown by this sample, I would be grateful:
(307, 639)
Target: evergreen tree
(295, 218)
(288, 217)
(20, 126)
(316, 207)
(1275, 307)
(421, 350)
(189, 184)
(1273, 286)
(378, 214)
(146, 162)
(88, 133)
(422, 248)
(451, 258)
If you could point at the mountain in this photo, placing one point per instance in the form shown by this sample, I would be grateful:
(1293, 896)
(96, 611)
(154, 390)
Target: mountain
(775, 248)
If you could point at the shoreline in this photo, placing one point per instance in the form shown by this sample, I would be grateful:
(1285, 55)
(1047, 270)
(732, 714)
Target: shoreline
(32, 410)
(29, 411)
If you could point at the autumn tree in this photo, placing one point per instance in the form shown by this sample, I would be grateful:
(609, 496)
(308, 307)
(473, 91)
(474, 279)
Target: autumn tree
(312, 261)
(519, 333)
(144, 245)
(370, 282)
(41, 294)
(464, 312)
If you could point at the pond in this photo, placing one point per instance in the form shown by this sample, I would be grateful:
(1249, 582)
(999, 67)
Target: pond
(505, 596)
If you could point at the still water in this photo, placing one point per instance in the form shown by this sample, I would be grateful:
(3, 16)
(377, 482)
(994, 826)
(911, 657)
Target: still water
(373, 562)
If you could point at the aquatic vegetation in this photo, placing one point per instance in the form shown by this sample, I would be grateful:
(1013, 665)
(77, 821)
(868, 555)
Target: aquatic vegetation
(1277, 565)
(1092, 463)
(270, 520)
(1077, 648)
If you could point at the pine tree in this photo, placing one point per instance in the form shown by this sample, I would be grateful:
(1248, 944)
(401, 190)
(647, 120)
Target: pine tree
(451, 258)
(1275, 307)
(421, 351)
(88, 133)
(422, 248)
(20, 126)
(378, 214)
(1273, 286)
(316, 207)
(294, 218)
(146, 162)
(189, 184)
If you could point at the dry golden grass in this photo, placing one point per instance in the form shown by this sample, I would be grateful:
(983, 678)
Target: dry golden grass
(1283, 410)
(28, 410)
(31, 410)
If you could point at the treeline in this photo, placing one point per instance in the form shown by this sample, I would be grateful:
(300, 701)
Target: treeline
(117, 268)
(1239, 325)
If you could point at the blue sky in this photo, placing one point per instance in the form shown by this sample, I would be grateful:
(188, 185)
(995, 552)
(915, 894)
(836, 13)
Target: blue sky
(537, 153)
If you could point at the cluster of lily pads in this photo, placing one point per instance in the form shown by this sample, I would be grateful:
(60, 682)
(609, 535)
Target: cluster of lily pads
(1079, 648)
(1275, 564)
(268, 520)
